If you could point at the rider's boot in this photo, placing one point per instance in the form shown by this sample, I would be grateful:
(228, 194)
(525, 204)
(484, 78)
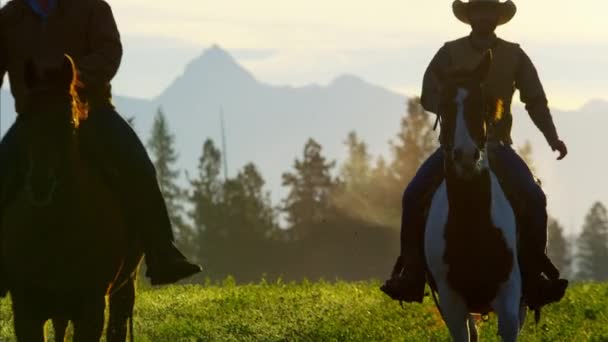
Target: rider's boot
(541, 279)
(409, 273)
(541, 282)
(166, 264)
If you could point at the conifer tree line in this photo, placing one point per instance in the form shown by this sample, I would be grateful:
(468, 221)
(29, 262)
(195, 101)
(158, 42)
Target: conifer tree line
(337, 221)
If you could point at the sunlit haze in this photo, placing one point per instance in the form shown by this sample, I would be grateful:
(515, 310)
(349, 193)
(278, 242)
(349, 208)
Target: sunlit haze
(387, 42)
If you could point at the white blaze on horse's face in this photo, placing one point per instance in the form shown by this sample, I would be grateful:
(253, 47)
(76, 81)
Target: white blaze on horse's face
(465, 152)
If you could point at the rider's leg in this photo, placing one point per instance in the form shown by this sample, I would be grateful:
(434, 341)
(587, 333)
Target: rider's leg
(411, 264)
(108, 135)
(515, 174)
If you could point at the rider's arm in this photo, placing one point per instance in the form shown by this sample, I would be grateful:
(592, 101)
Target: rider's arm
(100, 65)
(430, 89)
(533, 95)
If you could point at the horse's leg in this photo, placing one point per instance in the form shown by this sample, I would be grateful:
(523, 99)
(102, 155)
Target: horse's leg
(456, 315)
(29, 330)
(121, 310)
(28, 327)
(60, 326)
(88, 324)
(508, 308)
(473, 333)
(523, 314)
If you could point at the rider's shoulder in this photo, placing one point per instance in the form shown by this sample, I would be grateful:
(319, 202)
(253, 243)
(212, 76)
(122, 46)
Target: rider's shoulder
(457, 41)
(77, 7)
(509, 43)
(99, 3)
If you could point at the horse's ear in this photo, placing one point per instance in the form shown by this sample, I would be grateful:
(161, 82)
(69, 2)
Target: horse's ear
(483, 68)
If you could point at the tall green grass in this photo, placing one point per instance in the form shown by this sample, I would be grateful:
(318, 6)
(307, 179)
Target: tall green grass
(329, 312)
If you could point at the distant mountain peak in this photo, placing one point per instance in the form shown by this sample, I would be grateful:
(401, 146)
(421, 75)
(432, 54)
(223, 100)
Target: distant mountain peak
(213, 57)
(217, 62)
(216, 53)
(214, 68)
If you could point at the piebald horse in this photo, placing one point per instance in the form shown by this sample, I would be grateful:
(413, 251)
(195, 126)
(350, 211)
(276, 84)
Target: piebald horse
(471, 235)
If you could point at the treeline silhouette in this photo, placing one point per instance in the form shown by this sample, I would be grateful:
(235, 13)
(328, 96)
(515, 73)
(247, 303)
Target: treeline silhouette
(337, 221)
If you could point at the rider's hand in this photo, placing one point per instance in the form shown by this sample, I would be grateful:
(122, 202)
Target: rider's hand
(560, 146)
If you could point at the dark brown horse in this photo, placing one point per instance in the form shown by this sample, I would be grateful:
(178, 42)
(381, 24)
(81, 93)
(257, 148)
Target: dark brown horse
(65, 243)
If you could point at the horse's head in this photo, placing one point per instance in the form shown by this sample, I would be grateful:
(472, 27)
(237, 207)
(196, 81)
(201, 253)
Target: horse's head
(49, 124)
(466, 114)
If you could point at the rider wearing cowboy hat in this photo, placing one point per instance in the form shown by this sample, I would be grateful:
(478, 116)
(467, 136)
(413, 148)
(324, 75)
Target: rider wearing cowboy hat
(511, 69)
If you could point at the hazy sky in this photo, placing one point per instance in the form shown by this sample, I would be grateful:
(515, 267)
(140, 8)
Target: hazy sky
(387, 42)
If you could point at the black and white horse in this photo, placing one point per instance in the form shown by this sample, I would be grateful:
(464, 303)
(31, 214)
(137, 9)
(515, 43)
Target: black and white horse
(471, 235)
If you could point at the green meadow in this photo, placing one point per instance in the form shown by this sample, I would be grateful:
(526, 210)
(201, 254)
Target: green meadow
(329, 312)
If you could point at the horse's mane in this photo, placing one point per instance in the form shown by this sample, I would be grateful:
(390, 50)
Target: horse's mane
(80, 108)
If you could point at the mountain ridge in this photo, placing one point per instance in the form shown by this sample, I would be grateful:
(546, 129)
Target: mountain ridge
(269, 124)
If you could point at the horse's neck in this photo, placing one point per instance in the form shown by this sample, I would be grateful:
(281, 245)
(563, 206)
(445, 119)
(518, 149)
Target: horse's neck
(469, 197)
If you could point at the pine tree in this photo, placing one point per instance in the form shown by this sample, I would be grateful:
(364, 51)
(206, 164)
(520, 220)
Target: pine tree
(206, 188)
(558, 248)
(164, 156)
(210, 215)
(415, 142)
(233, 219)
(310, 185)
(593, 245)
(249, 207)
(352, 197)
(356, 170)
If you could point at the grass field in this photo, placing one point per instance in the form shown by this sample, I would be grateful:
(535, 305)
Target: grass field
(329, 312)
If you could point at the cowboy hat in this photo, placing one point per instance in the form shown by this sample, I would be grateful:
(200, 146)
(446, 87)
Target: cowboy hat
(506, 10)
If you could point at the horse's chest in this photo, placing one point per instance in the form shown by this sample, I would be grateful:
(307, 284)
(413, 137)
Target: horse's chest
(476, 233)
(470, 244)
